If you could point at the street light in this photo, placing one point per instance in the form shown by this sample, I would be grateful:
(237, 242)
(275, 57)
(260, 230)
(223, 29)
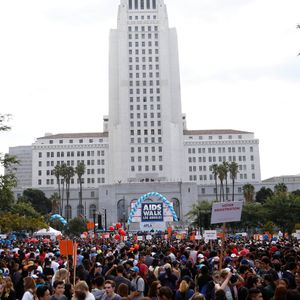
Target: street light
(105, 219)
(94, 219)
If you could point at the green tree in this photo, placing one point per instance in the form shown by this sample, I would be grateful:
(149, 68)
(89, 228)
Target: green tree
(214, 170)
(24, 208)
(79, 170)
(296, 192)
(76, 226)
(252, 215)
(263, 194)
(200, 214)
(248, 191)
(14, 222)
(233, 171)
(8, 180)
(284, 210)
(38, 200)
(280, 188)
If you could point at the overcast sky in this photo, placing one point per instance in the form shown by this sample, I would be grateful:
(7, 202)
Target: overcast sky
(238, 62)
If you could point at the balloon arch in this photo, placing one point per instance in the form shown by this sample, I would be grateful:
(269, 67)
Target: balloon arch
(144, 197)
(59, 218)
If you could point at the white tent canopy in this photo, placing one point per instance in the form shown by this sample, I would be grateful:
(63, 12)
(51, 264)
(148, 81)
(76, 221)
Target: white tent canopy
(50, 231)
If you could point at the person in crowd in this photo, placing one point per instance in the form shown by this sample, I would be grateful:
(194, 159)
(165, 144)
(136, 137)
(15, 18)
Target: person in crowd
(61, 275)
(83, 287)
(29, 288)
(198, 296)
(109, 286)
(7, 291)
(268, 286)
(123, 290)
(165, 293)
(255, 294)
(153, 290)
(43, 293)
(98, 287)
(220, 295)
(137, 283)
(58, 290)
(168, 278)
(184, 292)
(79, 295)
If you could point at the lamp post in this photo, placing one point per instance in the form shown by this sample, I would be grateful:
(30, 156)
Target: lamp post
(105, 219)
(94, 219)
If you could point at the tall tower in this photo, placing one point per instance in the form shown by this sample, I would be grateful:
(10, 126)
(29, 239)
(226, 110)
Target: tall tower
(145, 119)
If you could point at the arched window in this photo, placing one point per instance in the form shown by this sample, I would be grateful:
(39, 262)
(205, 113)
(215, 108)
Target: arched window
(176, 206)
(92, 210)
(122, 211)
(68, 212)
(80, 210)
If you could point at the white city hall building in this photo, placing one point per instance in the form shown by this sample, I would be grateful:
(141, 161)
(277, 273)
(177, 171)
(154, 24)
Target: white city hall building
(145, 145)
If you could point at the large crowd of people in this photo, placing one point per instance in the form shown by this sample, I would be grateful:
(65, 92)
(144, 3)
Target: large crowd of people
(159, 269)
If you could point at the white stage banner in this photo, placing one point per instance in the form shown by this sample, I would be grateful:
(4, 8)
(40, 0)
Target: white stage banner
(148, 226)
(224, 212)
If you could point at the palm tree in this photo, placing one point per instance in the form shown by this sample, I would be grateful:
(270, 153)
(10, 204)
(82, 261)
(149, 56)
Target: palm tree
(63, 174)
(79, 170)
(57, 173)
(68, 176)
(200, 214)
(233, 171)
(214, 170)
(221, 176)
(226, 170)
(55, 203)
(248, 190)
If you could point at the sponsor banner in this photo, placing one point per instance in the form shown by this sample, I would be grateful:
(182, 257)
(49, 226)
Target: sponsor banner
(225, 212)
(148, 226)
(152, 212)
(210, 235)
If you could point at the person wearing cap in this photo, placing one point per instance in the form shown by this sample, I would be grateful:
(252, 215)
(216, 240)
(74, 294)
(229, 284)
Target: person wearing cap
(137, 283)
(203, 280)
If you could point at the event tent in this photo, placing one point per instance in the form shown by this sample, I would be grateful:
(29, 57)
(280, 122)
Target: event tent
(50, 232)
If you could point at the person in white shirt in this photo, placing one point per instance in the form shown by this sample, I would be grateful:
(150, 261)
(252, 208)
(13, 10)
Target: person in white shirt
(29, 287)
(83, 287)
